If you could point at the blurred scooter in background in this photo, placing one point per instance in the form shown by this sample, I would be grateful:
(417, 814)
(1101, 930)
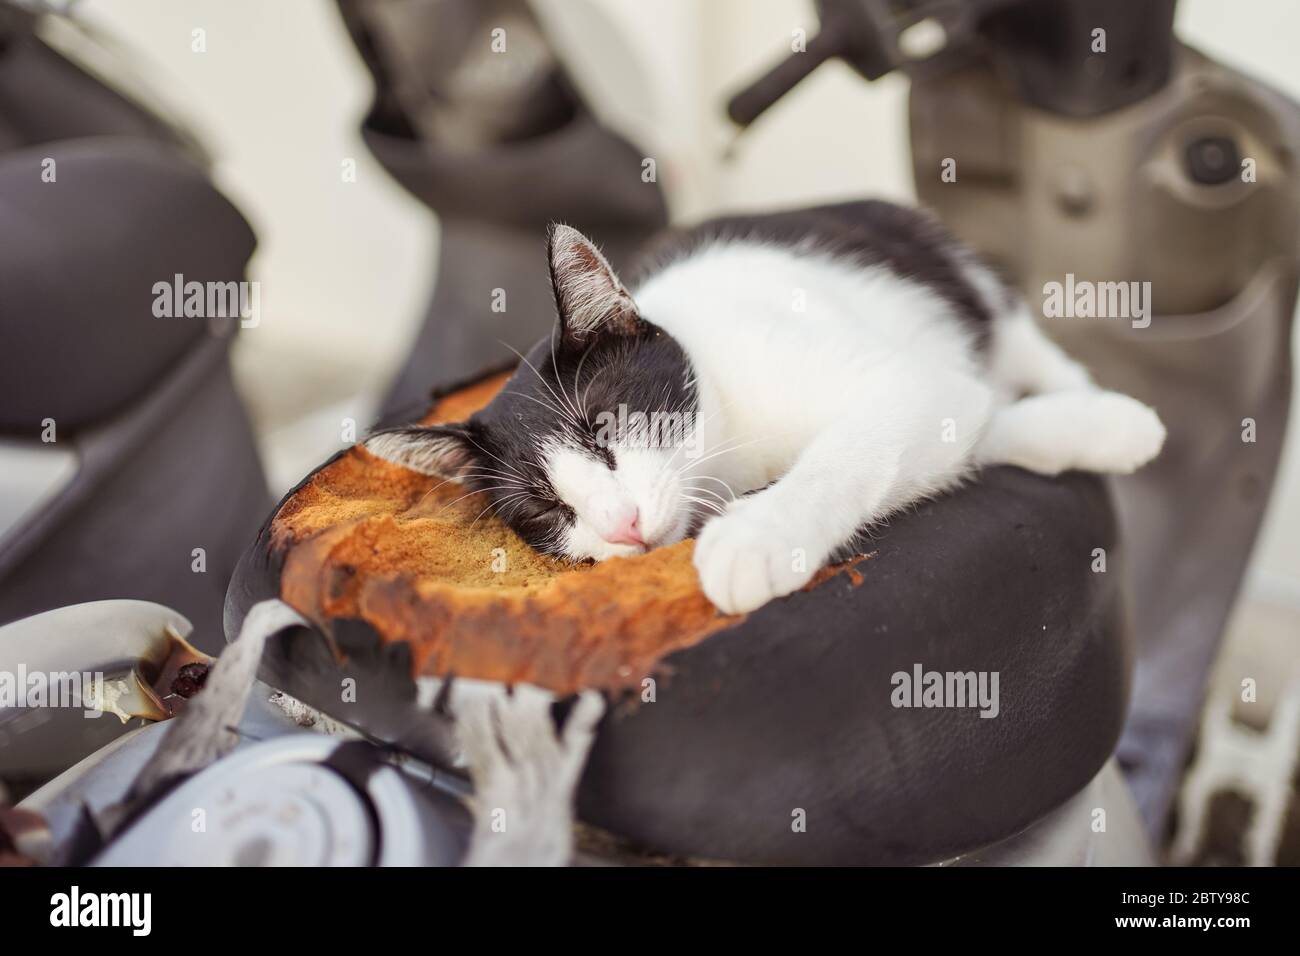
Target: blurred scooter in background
(1055, 149)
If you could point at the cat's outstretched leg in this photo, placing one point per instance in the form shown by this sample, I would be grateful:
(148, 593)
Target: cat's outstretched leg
(906, 436)
(771, 543)
(1085, 428)
(1023, 359)
(1067, 422)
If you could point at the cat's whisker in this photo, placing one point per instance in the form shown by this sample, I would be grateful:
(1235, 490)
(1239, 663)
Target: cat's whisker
(455, 479)
(500, 502)
(488, 470)
(731, 491)
(474, 474)
(715, 507)
(545, 404)
(502, 461)
(721, 451)
(577, 374)
(592, 381)
(697, 428)
(471, 494)
(523, 358)
(483, 475)
(706, 504)
(706, 491)
(555, 367)
(517, 496)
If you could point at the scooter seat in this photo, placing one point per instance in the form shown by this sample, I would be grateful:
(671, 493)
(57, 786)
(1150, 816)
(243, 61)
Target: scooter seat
(960, 678)
(82, 337)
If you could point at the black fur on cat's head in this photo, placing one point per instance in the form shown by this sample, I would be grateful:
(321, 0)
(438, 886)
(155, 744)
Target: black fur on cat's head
(560, 451)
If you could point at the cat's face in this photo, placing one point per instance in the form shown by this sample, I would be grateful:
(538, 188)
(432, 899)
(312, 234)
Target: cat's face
(589, 450)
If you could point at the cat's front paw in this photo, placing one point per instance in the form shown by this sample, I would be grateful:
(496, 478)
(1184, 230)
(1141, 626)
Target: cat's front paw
(1132, 435)
(747, 557)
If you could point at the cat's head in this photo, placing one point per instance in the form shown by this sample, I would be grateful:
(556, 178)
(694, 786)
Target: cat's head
(588, 450)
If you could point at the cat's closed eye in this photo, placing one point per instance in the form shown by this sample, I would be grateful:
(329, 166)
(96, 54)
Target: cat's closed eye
(548, 508)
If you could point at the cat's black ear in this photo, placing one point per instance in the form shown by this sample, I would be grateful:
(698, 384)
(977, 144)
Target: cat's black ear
(445, 451)
(588, 295)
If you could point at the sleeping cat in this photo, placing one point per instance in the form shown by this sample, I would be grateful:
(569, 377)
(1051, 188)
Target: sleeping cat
(772, 385)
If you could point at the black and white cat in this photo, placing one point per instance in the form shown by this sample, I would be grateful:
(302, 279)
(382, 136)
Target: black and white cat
(772, 384)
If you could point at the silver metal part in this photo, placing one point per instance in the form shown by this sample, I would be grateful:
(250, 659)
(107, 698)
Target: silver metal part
(280, 803)
(273, 801)
(102, 779)
(273, 804)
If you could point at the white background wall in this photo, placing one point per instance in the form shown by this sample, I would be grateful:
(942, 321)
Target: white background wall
(346, 267)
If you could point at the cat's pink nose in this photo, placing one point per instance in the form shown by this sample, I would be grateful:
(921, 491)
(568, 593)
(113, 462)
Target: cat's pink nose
(627, 529)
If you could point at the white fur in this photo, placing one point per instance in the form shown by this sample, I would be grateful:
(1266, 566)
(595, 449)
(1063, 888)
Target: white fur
(849, 391)
(428, 456)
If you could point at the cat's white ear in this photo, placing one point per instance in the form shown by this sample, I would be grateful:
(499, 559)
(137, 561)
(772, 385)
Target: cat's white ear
(444, 451)
(588, 294)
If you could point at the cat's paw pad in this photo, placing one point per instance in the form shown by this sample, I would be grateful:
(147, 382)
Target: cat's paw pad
(745, 560)
(1130, 434)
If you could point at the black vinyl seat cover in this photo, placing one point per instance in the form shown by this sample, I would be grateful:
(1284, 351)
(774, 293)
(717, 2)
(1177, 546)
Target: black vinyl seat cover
(778, 740)
(794, 710)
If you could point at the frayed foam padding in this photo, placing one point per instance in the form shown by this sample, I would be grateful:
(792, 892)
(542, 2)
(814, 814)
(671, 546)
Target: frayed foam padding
(420, 561)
